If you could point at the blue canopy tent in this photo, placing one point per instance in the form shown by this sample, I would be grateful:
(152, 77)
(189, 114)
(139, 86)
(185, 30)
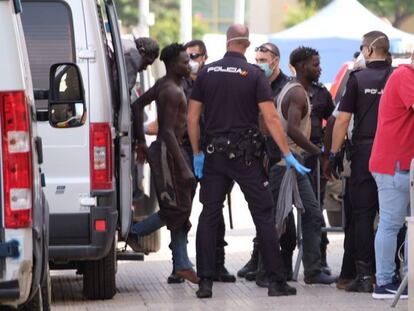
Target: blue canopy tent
(336, 32)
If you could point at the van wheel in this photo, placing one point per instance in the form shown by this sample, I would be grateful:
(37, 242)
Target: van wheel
(47, 291)
(35, 304)
(99, 277)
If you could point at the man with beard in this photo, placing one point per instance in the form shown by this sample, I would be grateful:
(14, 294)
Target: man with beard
(294, 108)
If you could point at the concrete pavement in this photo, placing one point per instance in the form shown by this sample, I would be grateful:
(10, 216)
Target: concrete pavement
(143, 286)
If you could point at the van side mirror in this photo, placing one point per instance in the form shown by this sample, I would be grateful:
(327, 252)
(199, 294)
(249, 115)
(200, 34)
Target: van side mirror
(66, 96)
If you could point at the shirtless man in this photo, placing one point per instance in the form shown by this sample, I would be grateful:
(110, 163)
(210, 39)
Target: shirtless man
(167, 158)
(294, 110)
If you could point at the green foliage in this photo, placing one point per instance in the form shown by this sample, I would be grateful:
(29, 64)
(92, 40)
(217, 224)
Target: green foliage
(396, 10)
(296, 16)
(318, 4)
(166, 29)
(127, 12)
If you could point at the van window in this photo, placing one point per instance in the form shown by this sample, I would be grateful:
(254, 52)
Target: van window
(49, 37)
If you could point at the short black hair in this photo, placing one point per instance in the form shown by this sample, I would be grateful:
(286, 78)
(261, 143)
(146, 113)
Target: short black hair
(150, 46)
(198, 43)
(302, 54)
(170, 53)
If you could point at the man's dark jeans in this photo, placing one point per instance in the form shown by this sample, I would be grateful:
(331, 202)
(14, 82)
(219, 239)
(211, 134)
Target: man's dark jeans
(312, 219)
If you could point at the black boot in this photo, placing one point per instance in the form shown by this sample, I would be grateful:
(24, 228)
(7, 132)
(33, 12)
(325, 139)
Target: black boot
(287, 261)
(174, 279)
(280, 289)
(221, 273)
(205, 288)
(262, 278)
(251, 265)
(363, 283)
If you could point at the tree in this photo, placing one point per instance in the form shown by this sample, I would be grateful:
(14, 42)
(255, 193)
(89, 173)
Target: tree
(166, 29)
(396, 10)
(127, 12)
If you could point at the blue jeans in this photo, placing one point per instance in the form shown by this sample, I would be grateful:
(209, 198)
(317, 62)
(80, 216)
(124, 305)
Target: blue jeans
(394, 207)
(178, 239)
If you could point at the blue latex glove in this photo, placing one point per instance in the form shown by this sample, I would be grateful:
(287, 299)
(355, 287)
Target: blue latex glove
(198, 162)
(292, 162)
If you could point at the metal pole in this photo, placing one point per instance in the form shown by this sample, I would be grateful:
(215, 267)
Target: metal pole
(144, 13)
(186, 27)
(239, 10)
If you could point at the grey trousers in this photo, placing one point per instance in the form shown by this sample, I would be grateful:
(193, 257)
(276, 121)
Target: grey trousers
(312, 219)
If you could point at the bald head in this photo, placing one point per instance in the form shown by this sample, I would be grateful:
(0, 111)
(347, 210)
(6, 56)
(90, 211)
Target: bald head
(238, 38)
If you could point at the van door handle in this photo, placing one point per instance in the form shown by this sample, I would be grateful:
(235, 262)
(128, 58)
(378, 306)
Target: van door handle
(39, 149)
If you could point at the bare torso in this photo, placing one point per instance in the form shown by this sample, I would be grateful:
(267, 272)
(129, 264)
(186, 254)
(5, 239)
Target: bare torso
(171, 92)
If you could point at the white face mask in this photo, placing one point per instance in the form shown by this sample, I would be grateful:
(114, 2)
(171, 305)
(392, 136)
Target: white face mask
(360, 61)
(194, 67)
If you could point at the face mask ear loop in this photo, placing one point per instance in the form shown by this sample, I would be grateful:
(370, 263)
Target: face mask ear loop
(371, 46)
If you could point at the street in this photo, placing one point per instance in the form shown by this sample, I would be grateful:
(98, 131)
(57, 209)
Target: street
(143, 286)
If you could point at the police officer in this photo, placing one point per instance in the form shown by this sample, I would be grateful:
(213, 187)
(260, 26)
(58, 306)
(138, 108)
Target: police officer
(361, 99)
(268, 59)
(231, 92)
(196, 50)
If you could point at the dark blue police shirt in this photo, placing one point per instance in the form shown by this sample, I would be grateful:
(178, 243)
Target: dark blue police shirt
(230, 90)
(278, 84)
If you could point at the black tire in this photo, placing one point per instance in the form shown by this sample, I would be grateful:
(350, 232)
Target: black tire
(99, 277)
(47, 291)
(35, 304)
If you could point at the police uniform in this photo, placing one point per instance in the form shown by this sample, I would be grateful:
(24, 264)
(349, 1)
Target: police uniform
(322, 108)
(362, 98)
(230, 90)
(188, 85)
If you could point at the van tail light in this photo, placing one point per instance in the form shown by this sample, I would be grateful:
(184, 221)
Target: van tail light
(101, 156)
(17, 159)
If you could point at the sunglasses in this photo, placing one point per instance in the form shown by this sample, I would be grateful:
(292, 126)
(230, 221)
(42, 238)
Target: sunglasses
(195, 55)
(264, 50)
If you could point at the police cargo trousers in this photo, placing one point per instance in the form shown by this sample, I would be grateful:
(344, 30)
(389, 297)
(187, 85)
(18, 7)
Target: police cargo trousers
(221, 229)
(218, 174)
(364, 201)
(311, 220)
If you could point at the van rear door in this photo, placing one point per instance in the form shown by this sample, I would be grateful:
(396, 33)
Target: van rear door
(53, 35)
(123, 124)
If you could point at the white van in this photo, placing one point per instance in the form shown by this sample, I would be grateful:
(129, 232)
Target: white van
(87, 162)
(24, 273)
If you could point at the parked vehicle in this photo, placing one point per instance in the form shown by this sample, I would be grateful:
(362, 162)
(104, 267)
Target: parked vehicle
(87, 143)
(24, 272)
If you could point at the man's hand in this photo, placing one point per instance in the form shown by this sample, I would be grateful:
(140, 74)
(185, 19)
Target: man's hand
(326, 167)
(198, 162)
(141, 152)
(292, 162)
(336, 164)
